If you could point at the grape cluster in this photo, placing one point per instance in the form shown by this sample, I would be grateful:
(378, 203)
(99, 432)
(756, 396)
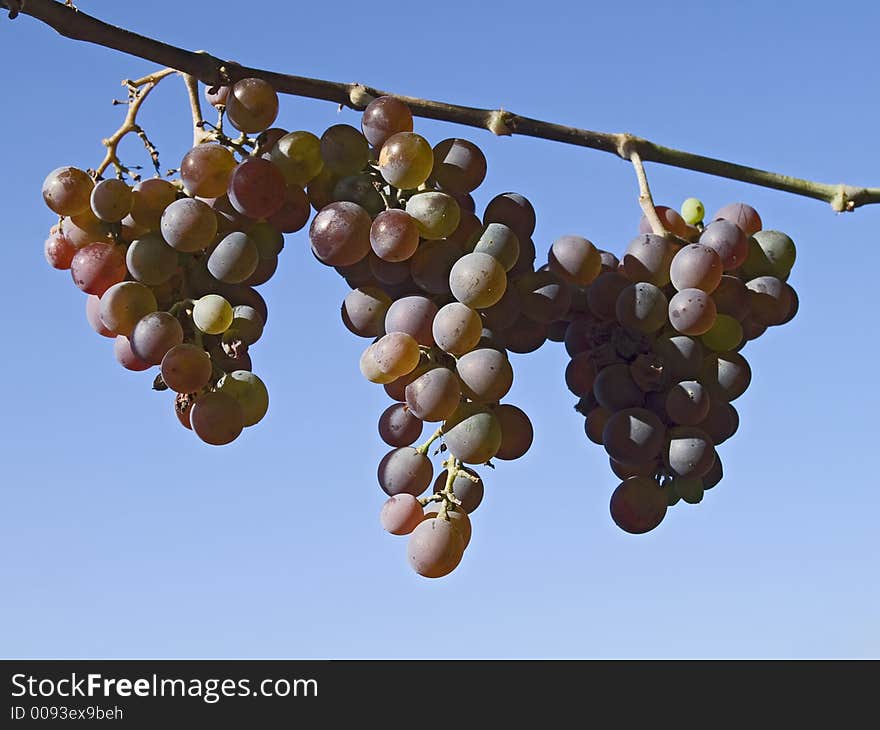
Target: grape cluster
(435, 289)
(170, 267)
(655, 346)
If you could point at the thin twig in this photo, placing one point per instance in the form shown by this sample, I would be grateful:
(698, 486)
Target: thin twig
(214, 71)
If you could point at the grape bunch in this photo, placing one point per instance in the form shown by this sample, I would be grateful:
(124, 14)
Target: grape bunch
(435, 289)
(170, 267)
(655, 349)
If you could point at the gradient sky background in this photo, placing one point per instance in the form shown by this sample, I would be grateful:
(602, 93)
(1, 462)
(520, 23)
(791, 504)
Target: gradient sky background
(121, 535)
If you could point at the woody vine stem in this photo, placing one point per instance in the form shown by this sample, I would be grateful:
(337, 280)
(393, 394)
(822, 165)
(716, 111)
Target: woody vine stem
(72, 23)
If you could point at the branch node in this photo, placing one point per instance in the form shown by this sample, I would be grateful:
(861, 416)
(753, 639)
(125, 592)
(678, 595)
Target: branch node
(359, 96)
(500, 123)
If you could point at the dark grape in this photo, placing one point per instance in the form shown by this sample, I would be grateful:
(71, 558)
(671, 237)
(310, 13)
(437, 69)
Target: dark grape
(689, 452)
(580, 373)
(615, 388)
(516, 432)
(398, 426)
(576, 260)
(543, 296)
(155, 334)
(692, 312)
(500, 242)
(468, 491)
(251, 105)
(401, 514)
(745, 216)
(384, 117)
(189, 225)
(523, 336)
(294, 211)
(504, 312)
(344, 149)
(359, 189)
(216, 418)
(97, 267)
(67, 190)
(434, 395)
(690, 490)
(595, 422)
(648, 258)
(682, 356)
(234, 259)
(769, 300)
(435, 548)
(728, 241)
(405, 470)
(642, 307)
(431, 265)
(714, 475)
(394, 235)
(206, 169)
(126, 357)
(726, 374)
(515, 211)
(625, 471)
(340, 234)
(390, 273)
(186, 368)
(59, 251)
(363, 311)
(721, 422)
(687, 403)
(696, 267)
(731, 297)
(150, 260)
(603, 293)
(456, 328)
(472, 434)
(257, 188)
(459, 165)
(633, 436)
(638, 505)
(413, 315)
(486, 375)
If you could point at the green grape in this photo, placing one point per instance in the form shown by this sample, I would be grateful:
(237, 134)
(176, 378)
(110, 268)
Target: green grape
(692, 210)
(500, 242)
(298, 156)
(478, 280)
(724, 335)
(249, 391)
(405, 160)
(690, 490)
(212, 314)
(436, 214)
(150, 260)
(771, 253)
(472, 433)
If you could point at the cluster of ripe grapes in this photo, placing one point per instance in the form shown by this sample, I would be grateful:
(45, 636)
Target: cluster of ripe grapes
(655, 350)
(170, 270)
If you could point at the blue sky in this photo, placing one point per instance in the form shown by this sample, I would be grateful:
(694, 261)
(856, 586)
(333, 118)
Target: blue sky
(121, 535)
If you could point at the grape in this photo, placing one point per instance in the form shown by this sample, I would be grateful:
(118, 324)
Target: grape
(401, 514)
(670, 219)
(206, 170)
(155, 334)
(238, 295)
(500, 242)
(405, 160)
(731, 297)
(477, 280)
(88, 230)
(247, 325)
(728, 241)
(265, 270)
(524, 336)
(189, 225)
(234, 259)
(266, 140)
(687, 403)
(130, 231)
(229, 363)
(456, 328)
(642, 307)
(251, 105)
(575, 259)
(459, 165)
(268, 239)
(370, 367)
(126, 357)
(396, 389)
(97, 267)
(59, 251)
(344, 149)
(486, 375)
(603, 293)
(752, 329)
(437, 215)
(682, 356)
(212, 314)
(363, 311)
(696, 267)
(298, 156)
(359, 189)
(580, 373)
(472, 434)
(595, 422)
(638, 505)
(431, 266)
(648, 258)
(513, 210)
(725, 334)
(689, 452)
(149, 198)
(794, 304)
(692, 312)
(320, 189)
(123, 304)
(228, 219)
(394, 235)
(615, 388)
(726, 374)
(556, 330)
(186, 368)
(405, 470)
(714, 475)
(610, 262)
(257, 188)
(692, 211)
(217, 96)
(150, 260)
(435, 548)
(633, 436)
(396, 354)
(111, 200)
(543, 296)
(690, 490)
(721, 422)
(93, 315)
(745, 216)
(398, 426)
(249, 392)
(525, 264)
(413, 315)
(579, 336)
(216, 418)
(502, 314)
(384, 117)
(67, 190)
(770, 253)
(392, 274)
(467, 491)
(294, 211)
(340, 234)
(769, 300)
(625, 471)
(516, 432)
(434, 395)
(358, 273)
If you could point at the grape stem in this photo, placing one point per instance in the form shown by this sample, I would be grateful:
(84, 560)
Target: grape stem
(423, 449)
(211, 70)
(646, 200)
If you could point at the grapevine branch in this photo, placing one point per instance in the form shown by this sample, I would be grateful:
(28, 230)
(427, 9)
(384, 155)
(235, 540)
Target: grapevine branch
(71, 23)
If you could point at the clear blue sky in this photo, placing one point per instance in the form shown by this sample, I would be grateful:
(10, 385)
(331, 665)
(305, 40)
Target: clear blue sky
(121, 535)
